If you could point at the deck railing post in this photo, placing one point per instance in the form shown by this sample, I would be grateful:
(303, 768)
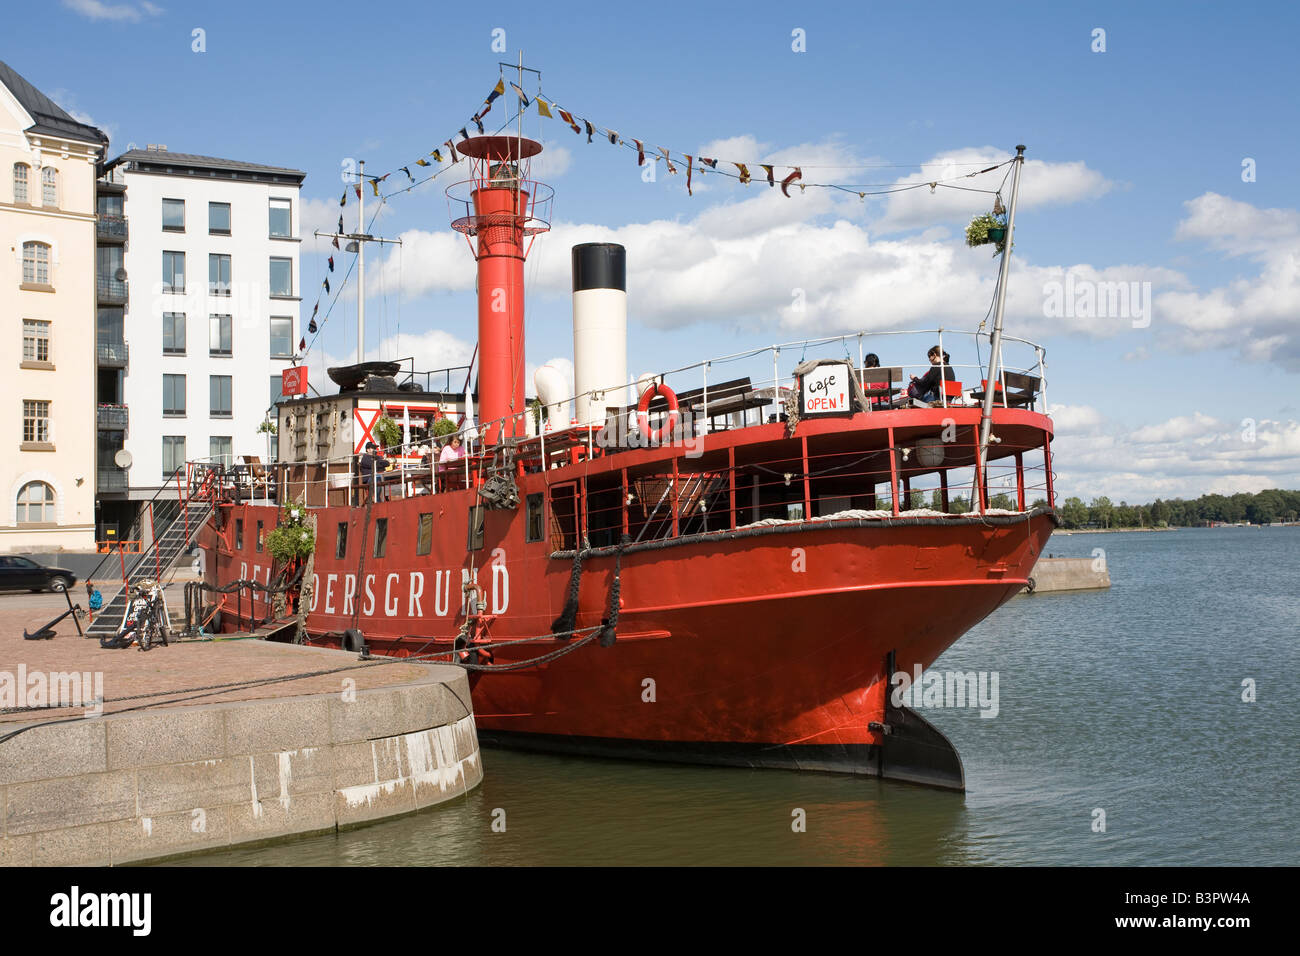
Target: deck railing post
(807, 486)
(943, 373)
(673, 499)
(731, 485)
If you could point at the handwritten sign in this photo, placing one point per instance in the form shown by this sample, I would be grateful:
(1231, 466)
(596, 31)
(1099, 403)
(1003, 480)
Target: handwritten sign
(825, 391)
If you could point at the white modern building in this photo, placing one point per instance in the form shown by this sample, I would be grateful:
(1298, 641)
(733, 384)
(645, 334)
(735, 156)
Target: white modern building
(209, 289)
(47, 318)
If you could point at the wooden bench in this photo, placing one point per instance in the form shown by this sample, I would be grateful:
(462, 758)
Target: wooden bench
(1021, 390)
(878, 384)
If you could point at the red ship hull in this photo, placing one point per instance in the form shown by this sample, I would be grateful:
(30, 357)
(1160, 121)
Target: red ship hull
(753, 646)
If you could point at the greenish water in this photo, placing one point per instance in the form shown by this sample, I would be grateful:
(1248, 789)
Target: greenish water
(1127, 700)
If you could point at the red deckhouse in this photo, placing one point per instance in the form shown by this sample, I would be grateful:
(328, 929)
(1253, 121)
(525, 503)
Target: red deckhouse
(719, 564)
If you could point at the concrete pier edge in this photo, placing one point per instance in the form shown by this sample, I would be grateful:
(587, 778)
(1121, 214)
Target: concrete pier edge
(156, 785)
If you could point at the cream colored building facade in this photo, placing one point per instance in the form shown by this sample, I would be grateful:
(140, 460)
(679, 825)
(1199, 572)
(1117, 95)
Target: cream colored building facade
(47, 322)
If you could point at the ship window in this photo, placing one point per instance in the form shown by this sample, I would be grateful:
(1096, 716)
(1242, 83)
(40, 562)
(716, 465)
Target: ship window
(239, 534)
(425, 542)
(261, 538)
(534, 517)
(475, 528)
(341, 542)
(564, 517)
(381, 537)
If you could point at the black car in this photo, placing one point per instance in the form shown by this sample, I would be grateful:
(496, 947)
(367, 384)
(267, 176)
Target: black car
(16, 572)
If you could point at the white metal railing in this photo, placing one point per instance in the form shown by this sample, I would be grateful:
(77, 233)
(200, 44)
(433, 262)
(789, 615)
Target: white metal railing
(418, 477)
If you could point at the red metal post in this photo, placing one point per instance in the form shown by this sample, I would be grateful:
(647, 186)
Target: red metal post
(807, 488)
(731, 484)
(1047, 466)
(1020, 480)
(893, 470)
(626, 505)
(943, 488)
(674, 497)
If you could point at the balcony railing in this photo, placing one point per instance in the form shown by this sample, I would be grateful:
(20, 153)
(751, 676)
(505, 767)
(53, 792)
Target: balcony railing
(112, 354)
(110, 479)
(111, 227)
(110, 291)
(111, 416)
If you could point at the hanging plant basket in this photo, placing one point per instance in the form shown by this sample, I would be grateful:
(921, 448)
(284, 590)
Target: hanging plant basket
(998, 234)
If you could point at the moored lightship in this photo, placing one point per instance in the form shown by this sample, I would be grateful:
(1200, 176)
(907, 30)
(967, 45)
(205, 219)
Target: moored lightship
(723, 574)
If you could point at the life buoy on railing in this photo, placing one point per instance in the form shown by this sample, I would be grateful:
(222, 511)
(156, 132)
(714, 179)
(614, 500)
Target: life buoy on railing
(643, 412)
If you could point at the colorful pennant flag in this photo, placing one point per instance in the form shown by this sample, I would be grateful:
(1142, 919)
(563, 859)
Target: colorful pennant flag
(523, 98)
(640, 153)
(330, 260)
(613, 137)
(744, 173)
(797, 174)
(407, 170)
(544, 108)
(357, 187)
(451, 146)
(688, 175)
(496, 91)
(590, 129)
(311, 326)
(463, 134)
(302, 345)
(711, 163)
(343, 200)
(668, 160)
(479, 124)
(768, 169)
(423, 162)
(437, 155)
(327, 285)
(568, 118)
(335, 242)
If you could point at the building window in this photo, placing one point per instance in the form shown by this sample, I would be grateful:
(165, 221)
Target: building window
(110, 205)
(239, 534)
(50, 187)
(110, 324)
(219, 335)
(36, 263)
(219, 450)
(219, 395)
(281, 219)
(173, 272)
(173, 333)
(173, 454)
(36, 503)
(20, 183)
(261, 538)
(282, 277)
(281, 336)
(174, 395)
(341, 541)
(36, 421)
(277, 389)
(424, 542)
(381, 537)
(218, 275)
(173, 215)
(36, 340)
(219, 218)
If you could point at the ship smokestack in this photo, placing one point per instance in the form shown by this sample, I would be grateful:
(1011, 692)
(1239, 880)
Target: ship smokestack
(599, 329)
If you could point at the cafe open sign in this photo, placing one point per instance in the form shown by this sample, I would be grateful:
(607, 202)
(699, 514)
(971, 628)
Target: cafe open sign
(826, 391)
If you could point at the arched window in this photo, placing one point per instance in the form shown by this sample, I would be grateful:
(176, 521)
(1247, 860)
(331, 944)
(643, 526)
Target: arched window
(20, 183)
(36, 263)
(36, 503)
(49, 186)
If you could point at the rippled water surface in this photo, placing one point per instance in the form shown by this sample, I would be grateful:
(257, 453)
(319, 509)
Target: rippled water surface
(1127, 700)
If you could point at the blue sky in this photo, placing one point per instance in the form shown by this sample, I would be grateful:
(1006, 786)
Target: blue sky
(1134, 174)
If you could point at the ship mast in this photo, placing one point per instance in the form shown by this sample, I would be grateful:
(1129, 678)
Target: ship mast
(995, 353)
(357, 243)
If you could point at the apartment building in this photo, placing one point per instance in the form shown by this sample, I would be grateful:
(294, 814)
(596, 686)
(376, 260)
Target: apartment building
(198, 313)
(47, 317)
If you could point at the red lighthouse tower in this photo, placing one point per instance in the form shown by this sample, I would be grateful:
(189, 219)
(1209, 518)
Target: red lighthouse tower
(503, 208)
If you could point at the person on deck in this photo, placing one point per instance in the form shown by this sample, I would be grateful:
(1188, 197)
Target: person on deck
(452, 451)
(877, 401)
(368, 465)
(926, 388)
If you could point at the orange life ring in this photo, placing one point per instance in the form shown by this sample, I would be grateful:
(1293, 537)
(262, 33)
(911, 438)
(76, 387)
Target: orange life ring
(643, 412)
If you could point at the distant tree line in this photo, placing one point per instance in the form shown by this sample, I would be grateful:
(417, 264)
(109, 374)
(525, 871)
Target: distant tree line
(1263, 508)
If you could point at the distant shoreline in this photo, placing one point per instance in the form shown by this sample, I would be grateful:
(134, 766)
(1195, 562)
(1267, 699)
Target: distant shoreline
(1124, 530)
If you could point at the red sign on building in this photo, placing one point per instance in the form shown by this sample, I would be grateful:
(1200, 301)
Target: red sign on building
(293, 380)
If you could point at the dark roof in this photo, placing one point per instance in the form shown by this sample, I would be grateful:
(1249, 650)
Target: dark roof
(49, 118)
(158, 159)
